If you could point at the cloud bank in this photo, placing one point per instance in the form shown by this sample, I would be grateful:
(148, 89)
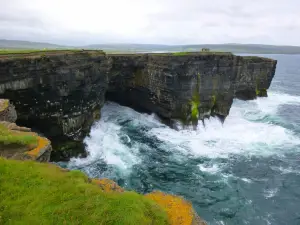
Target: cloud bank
(151, 21)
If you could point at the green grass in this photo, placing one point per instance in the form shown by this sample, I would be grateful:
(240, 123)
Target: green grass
(34, 193)
(256, 59)
(24, 51)
(195, 103)
(261, 92)
(200, 53)
(10, 137)
(180, 53)
(42, 51)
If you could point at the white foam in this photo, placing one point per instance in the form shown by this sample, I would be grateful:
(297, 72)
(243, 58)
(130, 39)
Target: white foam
(270, 193)
(286, 170)
(246, 180)
(107, 142)
(213, 169)
(104, 143)
(274, 100)
(237, 135)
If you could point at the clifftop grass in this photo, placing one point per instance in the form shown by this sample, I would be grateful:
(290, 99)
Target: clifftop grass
(8, 137)
(201, 53)
(25, 53)
(35, 193)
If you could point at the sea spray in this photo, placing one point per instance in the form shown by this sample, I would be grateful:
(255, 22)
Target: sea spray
(234, 173)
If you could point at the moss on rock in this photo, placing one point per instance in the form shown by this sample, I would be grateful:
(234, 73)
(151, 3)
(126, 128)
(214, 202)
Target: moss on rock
(8, 137)
(19, 143)
(42, 146)
(180, 211)
(261, 92)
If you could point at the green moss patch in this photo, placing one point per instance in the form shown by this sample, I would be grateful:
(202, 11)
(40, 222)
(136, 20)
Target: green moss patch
(199, 53)
(8, 137)
(195, 112)
(261, 92)
(180, 53)
(36, 193)
(195, 103)
(213, 100)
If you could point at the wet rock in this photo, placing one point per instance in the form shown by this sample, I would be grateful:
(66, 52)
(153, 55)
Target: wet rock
(64, 149)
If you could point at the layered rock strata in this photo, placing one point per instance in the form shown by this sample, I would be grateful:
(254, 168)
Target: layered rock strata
(61, 93)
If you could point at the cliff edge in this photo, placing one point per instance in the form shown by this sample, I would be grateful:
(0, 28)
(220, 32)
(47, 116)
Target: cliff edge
(19, 142)
(47, 194)
(60, 93)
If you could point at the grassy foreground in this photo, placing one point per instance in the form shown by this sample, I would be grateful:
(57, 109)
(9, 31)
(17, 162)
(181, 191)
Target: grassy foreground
(35, 193)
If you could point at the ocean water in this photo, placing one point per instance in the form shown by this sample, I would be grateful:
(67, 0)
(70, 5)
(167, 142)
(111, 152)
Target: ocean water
(245, 171)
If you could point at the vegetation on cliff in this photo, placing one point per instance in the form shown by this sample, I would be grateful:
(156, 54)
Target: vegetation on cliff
(180, 212)
(261, 93)
(8, 137)
(195, 103)
(35, 193)
(199, 53)
(16, 53)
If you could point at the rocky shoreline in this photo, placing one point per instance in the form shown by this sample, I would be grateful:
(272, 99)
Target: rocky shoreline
(13, 146)
(60, 93)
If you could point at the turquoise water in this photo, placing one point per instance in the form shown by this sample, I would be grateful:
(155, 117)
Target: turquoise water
(246, 171)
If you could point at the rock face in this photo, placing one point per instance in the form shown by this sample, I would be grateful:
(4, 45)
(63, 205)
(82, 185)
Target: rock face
(61, 93)
(188, 87)
(58, 94)
(7, 111)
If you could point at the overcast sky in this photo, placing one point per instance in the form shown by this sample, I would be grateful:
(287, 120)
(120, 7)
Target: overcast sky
(152, 21)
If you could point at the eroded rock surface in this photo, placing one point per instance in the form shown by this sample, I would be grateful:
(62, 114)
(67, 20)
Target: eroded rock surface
(7, 111)
(187, 87)
(61, 94)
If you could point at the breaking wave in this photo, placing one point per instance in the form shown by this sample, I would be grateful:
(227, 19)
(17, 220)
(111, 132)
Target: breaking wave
(237, 172)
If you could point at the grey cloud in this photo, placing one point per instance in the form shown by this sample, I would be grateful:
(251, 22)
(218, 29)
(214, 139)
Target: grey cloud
(170, 22)
(26, 20)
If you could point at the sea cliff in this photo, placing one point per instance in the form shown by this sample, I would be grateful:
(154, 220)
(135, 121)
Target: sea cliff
(60, 93)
